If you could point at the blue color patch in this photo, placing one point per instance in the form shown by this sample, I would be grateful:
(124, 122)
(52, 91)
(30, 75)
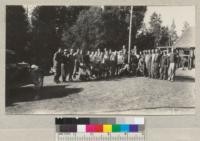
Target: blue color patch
(133, 128)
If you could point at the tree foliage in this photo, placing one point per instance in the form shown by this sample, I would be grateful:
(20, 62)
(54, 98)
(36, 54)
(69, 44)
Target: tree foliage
(155, 27)
(17, 31)
(82, 27)
(103, 28)
(45, 31)
(48, 24)
(157, 34)
(164, 36)
(85, 33)
(172, 34)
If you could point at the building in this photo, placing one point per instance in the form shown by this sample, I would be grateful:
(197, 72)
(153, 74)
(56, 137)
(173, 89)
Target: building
(186, 46)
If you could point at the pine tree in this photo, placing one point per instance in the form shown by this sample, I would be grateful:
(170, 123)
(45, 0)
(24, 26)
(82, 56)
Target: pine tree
(172, 33)
(155, 27)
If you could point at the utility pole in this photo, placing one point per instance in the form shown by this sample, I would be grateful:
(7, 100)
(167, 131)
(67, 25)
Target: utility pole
(130, 30)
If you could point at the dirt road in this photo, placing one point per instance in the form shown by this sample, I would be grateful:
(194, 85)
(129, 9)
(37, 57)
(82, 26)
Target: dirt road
(135, 95)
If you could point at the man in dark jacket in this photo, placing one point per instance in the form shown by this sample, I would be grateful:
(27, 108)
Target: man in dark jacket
(164, 66)
(57, 59)
(157, 60)
(71, 64)
(65, 65)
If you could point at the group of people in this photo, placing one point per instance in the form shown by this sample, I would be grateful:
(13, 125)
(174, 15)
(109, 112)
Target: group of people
(105, 64)
(158, 65)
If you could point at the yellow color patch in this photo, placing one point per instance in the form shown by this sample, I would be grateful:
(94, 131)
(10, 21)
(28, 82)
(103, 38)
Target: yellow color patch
(107, 128)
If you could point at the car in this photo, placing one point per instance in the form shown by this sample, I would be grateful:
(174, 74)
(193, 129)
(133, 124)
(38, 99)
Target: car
(21, 73)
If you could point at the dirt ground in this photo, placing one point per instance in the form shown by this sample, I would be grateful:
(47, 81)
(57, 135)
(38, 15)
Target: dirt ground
(135, 95)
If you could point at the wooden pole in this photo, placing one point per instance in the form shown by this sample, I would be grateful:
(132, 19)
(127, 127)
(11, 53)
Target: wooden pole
(130, 30)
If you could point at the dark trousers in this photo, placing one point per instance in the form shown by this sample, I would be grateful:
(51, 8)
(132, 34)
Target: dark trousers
(146, 73)
(76, 67)
(64, 71)
(71, 70)
(149, 69)
(163, 72)
(57, 72)
(113, 67)
(156, 70)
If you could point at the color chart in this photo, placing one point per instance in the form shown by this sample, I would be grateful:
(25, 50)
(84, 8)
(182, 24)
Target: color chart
(100, 129)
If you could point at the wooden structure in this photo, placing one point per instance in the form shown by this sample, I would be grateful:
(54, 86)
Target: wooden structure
(186, 46)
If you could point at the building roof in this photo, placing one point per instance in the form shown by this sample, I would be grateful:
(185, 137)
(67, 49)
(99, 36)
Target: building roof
(187, 40)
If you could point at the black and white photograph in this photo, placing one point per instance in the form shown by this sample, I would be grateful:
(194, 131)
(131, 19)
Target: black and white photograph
(100, 60)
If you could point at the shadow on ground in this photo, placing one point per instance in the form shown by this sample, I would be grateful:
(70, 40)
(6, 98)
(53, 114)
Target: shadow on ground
(184, 79)
(25, 94)
(116, 78)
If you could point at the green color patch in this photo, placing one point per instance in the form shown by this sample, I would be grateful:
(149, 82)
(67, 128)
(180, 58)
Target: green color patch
(116, 128)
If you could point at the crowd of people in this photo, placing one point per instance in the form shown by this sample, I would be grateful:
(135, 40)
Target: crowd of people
(105, 64)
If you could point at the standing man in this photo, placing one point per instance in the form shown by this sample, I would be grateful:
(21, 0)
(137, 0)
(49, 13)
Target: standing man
(65, 65)
(78, 59)
(71, 64)
(113, 63)
(57, 59)
(133, 62)
(147, 57)
(157, 59)
(172, 65)
(149, 63)
(145, 66)
(152, 63)
(164, 66)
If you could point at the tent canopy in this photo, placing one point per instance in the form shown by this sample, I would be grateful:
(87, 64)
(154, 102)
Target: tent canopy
(187, 40)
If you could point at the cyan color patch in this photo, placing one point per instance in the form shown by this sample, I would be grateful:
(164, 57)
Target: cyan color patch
(124, 128)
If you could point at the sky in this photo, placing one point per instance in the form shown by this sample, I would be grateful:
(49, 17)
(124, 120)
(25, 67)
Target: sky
(180, 14)
(30, 9)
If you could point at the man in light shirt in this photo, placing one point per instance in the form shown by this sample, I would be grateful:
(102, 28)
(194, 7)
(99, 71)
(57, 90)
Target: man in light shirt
(172, 65)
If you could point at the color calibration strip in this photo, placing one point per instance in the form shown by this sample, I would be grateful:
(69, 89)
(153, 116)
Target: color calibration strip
(100, 129)
(106, 128)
